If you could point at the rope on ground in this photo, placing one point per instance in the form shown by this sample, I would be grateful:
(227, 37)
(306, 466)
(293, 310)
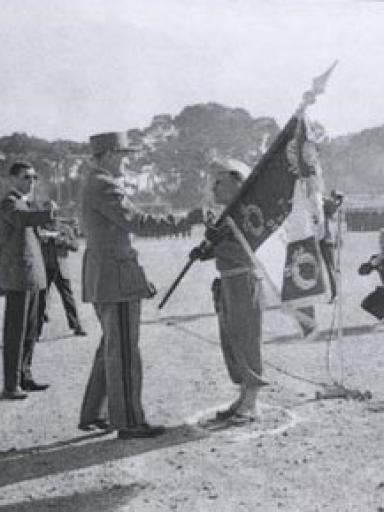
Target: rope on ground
(328, 341)
(194, 334)
(333, 390)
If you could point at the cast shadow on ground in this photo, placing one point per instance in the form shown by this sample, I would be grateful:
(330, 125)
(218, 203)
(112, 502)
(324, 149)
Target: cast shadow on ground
(58, 337)
(85, 451)
(45, 339)
(177, 318)
(323, 335)
(101, 500)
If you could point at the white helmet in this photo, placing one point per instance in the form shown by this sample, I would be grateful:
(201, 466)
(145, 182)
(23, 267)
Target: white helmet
(231, 165)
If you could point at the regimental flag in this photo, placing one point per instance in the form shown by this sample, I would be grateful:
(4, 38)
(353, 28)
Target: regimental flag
(302, 275)
(274, 213)
(285, 187)
(265, 199)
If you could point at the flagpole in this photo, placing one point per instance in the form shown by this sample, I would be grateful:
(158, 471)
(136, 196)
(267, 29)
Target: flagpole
(175, 283)
(337, 389)
(309, 98)
(340, 339)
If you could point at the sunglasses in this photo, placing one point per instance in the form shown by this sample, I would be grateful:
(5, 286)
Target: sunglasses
(30, 177)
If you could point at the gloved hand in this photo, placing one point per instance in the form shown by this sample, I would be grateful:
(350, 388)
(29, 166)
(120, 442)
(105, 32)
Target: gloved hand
(196, 253)
(202, 252)
(216, 234)
(152, 290)
(365, 269)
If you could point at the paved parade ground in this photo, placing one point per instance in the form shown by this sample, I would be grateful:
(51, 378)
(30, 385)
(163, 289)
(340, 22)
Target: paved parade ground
(305, 455)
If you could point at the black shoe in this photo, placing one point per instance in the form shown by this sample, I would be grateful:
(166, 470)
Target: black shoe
(98, 424)
(141, 431)
(225, 414)
(15, 394)
(31, 385)
(79, 331)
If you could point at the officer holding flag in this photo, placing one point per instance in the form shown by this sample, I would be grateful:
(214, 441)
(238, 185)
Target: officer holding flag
(254, 208)
(237, 297)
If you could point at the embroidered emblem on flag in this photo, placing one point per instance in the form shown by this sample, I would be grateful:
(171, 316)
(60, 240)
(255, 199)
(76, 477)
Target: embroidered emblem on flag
(302, 273)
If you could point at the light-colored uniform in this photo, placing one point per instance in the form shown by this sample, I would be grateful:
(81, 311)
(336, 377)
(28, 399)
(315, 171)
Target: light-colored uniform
(115, 283)
(239, 312)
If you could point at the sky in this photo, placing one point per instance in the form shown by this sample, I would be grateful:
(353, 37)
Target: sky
(73, 69)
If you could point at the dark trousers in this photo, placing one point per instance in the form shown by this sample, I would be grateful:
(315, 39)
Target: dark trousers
(327, 251)
(64, 288)
(115, 383)
(19, 335)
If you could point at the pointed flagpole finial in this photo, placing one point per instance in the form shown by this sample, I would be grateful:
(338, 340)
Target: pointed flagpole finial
(318, 87)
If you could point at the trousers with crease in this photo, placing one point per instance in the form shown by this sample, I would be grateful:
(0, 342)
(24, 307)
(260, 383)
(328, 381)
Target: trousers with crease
(19, 336)
(114, 386)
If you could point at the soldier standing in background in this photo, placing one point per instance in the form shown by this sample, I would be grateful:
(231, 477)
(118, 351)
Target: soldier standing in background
(114, 283)
(57, 239)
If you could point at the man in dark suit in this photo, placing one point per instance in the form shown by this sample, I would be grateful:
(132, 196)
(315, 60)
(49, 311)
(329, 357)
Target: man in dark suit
(57, 239)
(22, 276)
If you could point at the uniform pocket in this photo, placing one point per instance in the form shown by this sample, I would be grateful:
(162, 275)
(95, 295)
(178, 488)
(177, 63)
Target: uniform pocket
(216, 293)
(132, 279)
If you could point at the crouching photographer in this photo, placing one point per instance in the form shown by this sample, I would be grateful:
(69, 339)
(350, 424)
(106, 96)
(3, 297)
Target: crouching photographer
(373, 303)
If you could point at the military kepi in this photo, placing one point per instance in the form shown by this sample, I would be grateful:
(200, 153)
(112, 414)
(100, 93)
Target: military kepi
(111, 141)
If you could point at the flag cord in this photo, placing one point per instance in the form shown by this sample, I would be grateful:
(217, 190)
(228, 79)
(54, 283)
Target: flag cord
(340, 339)
(335, 391)
(210, 341)
(328, 346)
(337, 311)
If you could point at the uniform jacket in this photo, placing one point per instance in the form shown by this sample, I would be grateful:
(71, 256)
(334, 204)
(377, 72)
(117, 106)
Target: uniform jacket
(56, 250)
(21, 261)
(111, 272)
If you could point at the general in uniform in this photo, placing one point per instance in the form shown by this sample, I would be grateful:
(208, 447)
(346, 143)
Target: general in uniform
(115, 283)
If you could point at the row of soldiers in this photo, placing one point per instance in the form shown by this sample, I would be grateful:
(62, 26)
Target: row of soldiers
(170, 227)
